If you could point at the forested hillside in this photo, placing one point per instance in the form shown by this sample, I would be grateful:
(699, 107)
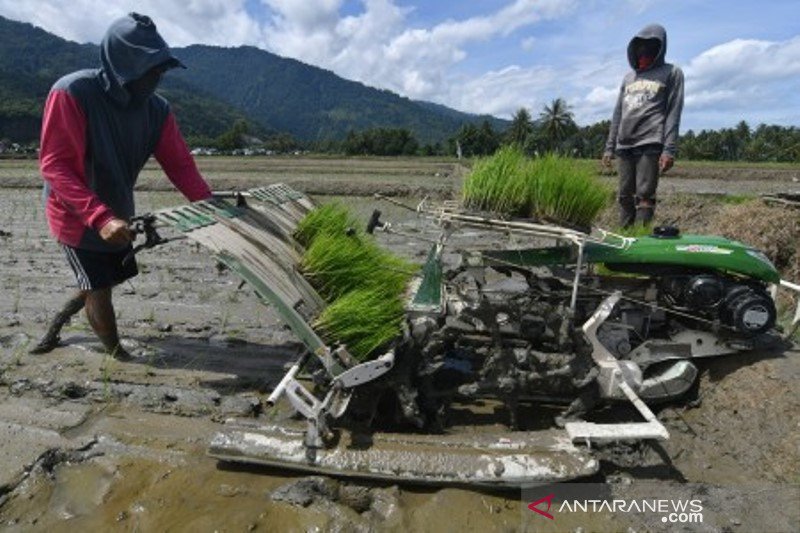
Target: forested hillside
(310, 103)
(222, 86)
(31, 60)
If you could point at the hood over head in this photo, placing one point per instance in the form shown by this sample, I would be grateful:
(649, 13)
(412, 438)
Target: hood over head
(131, 47)
(655, 32)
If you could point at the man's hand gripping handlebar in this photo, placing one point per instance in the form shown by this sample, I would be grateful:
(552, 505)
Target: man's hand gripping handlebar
(145, 225)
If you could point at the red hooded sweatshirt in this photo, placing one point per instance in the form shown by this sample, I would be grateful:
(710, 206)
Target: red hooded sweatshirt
(97, 136)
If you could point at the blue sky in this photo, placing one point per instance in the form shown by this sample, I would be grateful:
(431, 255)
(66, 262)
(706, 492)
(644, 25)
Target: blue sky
(741, 58)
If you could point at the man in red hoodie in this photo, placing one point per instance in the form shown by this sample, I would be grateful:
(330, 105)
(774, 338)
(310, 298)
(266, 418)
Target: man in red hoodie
(100, 127)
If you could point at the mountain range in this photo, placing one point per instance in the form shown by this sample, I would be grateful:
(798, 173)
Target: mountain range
(222, 85)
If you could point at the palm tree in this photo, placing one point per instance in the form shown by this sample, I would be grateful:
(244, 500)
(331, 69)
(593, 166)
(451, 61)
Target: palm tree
(521, 127)
(556, 122)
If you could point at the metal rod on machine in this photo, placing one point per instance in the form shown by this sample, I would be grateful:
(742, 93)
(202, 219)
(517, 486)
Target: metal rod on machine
(232, 194)
(574, 299)
(280, 388)
(796, 320)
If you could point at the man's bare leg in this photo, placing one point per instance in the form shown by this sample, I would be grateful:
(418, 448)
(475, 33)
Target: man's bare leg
(52, 336)
(100, 312)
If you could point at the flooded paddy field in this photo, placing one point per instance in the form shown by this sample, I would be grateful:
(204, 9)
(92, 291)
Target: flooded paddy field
(90, 443)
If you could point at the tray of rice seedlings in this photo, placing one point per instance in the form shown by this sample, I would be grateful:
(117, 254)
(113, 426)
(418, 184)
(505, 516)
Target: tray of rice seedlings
(550, 188)
(363, 284)
(565, 192)
(499, 184)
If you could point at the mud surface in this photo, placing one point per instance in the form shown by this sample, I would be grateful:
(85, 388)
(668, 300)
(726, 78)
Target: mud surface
(89, 443)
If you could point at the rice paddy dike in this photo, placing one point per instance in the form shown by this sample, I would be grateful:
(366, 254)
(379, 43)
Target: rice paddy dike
(93, 444)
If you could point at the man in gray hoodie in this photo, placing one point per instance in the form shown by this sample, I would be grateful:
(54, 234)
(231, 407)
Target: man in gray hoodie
(100, 127)
(644, 127)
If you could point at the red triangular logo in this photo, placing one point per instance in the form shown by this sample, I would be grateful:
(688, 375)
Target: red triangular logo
(549, 500)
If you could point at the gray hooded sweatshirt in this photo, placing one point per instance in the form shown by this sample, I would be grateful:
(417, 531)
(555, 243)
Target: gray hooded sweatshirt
(648, 110)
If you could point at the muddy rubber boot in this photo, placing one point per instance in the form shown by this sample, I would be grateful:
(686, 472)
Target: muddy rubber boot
(644, 214)
(52, 337)
(627, 211)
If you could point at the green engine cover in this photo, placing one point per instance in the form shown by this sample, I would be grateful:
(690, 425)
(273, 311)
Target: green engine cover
(691, 251)
(694, 251)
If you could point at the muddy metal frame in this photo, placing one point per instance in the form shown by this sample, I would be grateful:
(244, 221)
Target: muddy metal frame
(256, 242)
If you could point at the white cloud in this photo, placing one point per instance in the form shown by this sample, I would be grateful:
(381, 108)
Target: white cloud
(746, 61)
(220, 22)
(377, 47)
(715, 98)
(638, 6)
(744, 79)
(601, 96)
(503, 92)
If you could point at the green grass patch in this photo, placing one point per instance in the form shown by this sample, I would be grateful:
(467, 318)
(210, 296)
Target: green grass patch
(736, 199)
(552, 187)
(636, 230)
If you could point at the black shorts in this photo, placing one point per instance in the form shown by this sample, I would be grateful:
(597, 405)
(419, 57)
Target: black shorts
(100, 270)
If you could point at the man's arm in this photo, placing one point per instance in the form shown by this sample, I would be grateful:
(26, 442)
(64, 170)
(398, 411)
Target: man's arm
(611, 142)
(61, 160)
(174, 157)
(672, 118)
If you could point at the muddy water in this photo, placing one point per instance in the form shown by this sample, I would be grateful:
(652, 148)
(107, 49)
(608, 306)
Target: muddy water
(165, 483)
(133, 435)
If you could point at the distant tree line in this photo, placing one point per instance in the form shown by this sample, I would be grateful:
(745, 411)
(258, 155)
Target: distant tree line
(555, 130)
(381, 141)
(245, 136)
(764, 143)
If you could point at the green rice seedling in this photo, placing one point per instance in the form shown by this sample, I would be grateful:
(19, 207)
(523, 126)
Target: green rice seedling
(498, 183)
(363, 320)
(565, 192)
(332, 219)
(338, 264)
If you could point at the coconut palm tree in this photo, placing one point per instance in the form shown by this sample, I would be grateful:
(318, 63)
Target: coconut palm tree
(556, 122)
(521, 126)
